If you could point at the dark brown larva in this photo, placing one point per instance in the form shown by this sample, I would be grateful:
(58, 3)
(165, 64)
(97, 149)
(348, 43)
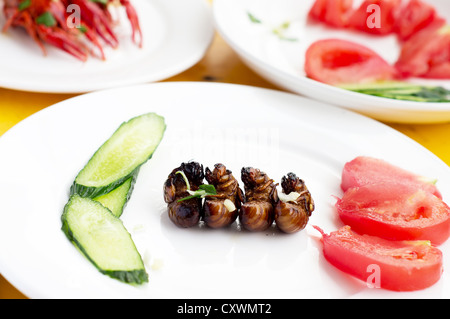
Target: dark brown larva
(185, 213)
(257, 212)
(293, 215)
(217, 213)
(257, 209)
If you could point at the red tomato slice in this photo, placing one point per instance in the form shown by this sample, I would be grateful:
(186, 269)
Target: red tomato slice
(334, 13)
(395, 212)
(365, 170)
(439, 59)
(335, 62)
(426, 54)
(414, 17)
(439, 71)
(400, 266)
(375, 16)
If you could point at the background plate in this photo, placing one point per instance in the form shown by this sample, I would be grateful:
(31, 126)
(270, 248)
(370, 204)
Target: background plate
(176, 36)
(210, 123)
(282, 62)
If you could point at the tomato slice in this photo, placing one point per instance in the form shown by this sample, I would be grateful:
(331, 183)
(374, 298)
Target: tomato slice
(396, 212)
(334, 13)
(335, 61)
(393, 265)
(439, 71)
(375, 16)
(414, 17)
(426, 54)
(364, 170)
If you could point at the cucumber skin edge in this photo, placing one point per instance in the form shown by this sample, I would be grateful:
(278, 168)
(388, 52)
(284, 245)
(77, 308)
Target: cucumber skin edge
(93, 191)
(137, 276)
(129, 193)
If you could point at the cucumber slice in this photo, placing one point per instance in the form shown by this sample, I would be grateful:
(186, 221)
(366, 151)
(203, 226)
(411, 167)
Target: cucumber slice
(103, 239)
(117, 199)
(120, 157)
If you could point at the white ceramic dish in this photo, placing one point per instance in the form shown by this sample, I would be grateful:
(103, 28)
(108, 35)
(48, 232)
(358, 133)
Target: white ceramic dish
(281, 61)
(236, 125)
(176, 36)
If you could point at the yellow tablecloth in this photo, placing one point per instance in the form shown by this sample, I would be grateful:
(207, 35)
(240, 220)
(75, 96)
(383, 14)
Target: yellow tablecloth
(219, 64)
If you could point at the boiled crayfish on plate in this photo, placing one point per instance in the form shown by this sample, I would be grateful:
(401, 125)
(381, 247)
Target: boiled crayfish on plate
(52, 22)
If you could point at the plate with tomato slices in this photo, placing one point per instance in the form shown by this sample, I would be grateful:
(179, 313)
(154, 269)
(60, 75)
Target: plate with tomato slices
(276, 132)
(389, 60)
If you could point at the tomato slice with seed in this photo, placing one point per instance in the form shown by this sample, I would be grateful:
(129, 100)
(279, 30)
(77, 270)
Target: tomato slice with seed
(335, 62)
(395, 211)
(393, 265)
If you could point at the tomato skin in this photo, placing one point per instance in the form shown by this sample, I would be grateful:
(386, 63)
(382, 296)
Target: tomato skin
(414, 17)
(388, 13)
(403, 266)
(334, 13)
(335, 61)
(396, 212)
(363, 170)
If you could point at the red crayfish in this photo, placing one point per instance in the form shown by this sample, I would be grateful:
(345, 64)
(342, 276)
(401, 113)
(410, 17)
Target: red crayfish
(50, 21)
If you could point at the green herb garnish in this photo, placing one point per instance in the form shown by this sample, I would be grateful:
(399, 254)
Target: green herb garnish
(403, 91)
(203, 190)
(46, 19)
(24, 5)
(82, 28)
(185, 179)
(278, 31)
(253, 18)
(100, 1)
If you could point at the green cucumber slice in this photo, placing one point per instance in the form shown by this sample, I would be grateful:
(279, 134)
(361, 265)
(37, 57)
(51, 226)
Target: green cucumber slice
(120, 157)
(117, 199)
(103, 239)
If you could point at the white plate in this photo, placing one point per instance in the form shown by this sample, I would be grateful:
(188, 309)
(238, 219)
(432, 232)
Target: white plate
(236, 125)
(282, 62)
(176, 36)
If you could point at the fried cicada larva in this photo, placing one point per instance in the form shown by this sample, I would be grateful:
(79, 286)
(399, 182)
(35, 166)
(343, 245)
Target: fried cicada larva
(222, 209)
(292, 214)
(257, 212)
(186, 213)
